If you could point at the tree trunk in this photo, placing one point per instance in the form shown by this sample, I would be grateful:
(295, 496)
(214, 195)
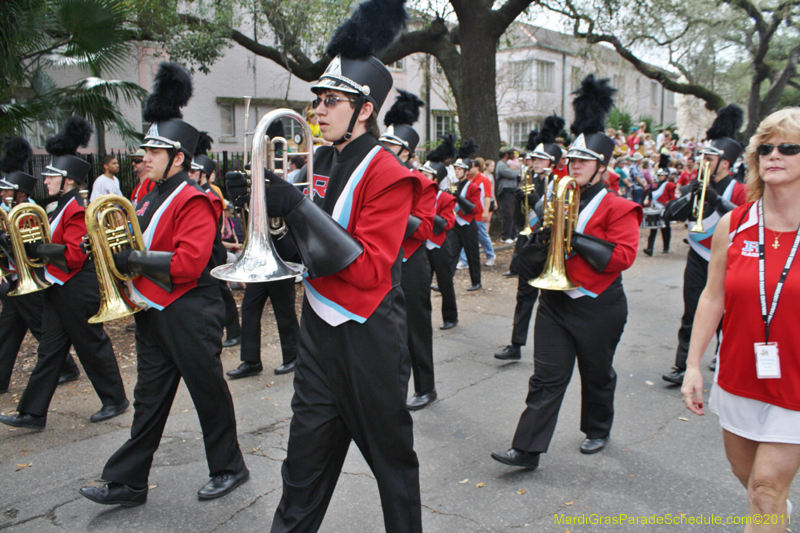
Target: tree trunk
(100, 133)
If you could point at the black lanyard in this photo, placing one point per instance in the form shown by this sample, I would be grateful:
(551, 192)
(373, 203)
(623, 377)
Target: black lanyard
(762, 284)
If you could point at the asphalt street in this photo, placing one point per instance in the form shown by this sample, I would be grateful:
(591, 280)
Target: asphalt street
(662, 461)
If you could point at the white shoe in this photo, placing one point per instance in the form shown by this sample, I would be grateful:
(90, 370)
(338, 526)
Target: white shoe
(490, 262)
(461, 266)
(508, 241)
(789, 508)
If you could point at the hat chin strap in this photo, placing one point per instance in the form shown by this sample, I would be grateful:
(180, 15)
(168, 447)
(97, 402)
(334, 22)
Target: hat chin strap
(356, 111)
(173, 154)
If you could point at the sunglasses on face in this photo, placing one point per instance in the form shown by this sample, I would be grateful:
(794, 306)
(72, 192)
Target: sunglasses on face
(329, 101)
(783, 149)
(136, 161)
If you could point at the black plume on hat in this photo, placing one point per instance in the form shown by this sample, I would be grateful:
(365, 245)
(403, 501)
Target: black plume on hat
(275, 129)
(75, 132)
(172, 90)
(467, 148)
(17, 152)
(370, 30)
(533, 138)
(553, 125)
(203, 144)
(593, 101)
(405, 109)
(729, 119)
(664, 161)
(446, 149)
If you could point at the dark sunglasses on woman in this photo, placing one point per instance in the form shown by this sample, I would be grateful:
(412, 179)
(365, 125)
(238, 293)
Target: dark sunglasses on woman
(783, 149)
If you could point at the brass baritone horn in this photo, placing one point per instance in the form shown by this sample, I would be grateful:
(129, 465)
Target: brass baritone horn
(699, 208)
(526, 186)
(561, 212)
(112, 226)
(259, 262)
(27, 223)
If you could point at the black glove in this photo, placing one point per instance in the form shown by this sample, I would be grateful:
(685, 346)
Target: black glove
(121, 261)
(530, 260)
(238, 191)
(5, 244)
(519, 195)
(711, 195)
(282, 196)
(439, 223)
(32, 250)
(86, 246)
(541, 238)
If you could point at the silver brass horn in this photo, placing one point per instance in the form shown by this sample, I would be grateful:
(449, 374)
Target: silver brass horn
(258, 262)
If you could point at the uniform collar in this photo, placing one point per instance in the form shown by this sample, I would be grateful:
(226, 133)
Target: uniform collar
(590, 192)
(170, 184)
(357, 147)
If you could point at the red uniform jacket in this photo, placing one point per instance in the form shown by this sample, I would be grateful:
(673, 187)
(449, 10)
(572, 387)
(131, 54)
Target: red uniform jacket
(473, 195)
(373, 206)
(181, 221)
(445, 208)
(424, 207)
(613, 219)
(68, 226)
(665, 192)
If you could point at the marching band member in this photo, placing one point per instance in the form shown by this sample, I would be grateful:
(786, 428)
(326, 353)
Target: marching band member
(352, 371)
(584, 323)
(180, 334)
(545, 154)
(401, 139)
(20, 313)
(723, 194)
(465, 232)
(659, 198)
(74, 295)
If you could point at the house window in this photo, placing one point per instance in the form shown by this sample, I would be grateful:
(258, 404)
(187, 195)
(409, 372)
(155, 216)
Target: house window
(228, 124)
(638, 88)
(618, 82)
(398, 65)
(575, 79)
(670, 98)
(443, 124)
(653, 93)
(518, 132)
(520, 74)
(41, 131)
(545, 73)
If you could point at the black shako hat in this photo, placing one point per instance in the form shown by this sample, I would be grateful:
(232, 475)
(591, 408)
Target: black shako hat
(545, 141)
(172, 90)
(436, 168)
(204, 164)
(593, 100)
(722, 134)
(354, 68)
(400, 118)
(16, 153)
(64, 148)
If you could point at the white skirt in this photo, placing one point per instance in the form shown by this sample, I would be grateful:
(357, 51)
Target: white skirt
(754, 419)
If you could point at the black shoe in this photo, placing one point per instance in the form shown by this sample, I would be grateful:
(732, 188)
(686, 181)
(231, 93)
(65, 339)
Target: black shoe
(435, 288)
(420, 401)
(109, 411)
(509, 353)
(712, 367)
(449, 325)
(665, 251)
(514, 457)
(232, 342)
(69, 377)
(24, 420)
(509, 274)
(475, 287)
(3, 391)
(590, 446)
(676, 376)
(285, 368)
(244, 370)
(648, 251)
(223, 483)
(115, 494)
(131, 327)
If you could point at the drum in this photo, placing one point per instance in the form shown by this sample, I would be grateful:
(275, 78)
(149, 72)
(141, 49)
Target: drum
(653, 218)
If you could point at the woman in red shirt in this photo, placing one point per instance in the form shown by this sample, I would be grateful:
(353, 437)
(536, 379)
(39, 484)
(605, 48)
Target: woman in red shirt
(756, 391)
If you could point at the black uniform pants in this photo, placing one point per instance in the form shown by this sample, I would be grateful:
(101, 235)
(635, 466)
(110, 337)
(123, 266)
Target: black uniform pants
(282, 295)
(232, 328)
(440, 259)
(526, 299)
(416, 286)
(588, 329)
(467, 237)
(694, 281)
(666, 234)
(184, 340)
(506, 202)
(351, 383)
(66, 311)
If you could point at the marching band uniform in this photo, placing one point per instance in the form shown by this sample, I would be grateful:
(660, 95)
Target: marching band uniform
(660, 197)
(465, 231)
(73, 298)
(439, 246)
(584, 323)
(722, 195)
(179, 335)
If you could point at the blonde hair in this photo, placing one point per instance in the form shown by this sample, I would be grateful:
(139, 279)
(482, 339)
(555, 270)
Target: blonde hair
(481, 163)
(785, 123)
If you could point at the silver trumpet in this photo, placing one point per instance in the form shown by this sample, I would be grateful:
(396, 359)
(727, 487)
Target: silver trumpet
(259, 262)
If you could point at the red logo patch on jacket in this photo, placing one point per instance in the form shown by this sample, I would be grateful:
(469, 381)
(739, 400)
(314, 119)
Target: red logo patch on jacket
(141, 210)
